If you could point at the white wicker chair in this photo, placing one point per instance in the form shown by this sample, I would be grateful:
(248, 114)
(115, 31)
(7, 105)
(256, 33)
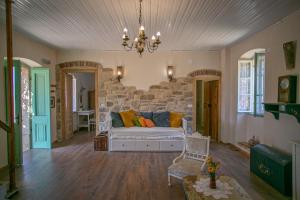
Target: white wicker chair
(192, 160)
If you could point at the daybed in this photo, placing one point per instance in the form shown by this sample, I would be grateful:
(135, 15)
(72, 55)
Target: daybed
(146, 139)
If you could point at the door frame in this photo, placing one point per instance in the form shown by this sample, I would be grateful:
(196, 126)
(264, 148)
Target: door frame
(86, 69)
(205, 78)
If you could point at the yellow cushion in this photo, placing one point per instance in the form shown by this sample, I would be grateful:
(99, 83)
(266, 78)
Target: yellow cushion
(175, 119)
(128, 117)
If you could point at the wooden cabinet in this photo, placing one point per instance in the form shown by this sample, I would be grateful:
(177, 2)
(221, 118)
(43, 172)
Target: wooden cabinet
(296, 172)
(101, 143)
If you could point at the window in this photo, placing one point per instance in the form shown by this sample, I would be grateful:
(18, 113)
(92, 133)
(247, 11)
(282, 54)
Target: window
(251, 84)
(74, 98)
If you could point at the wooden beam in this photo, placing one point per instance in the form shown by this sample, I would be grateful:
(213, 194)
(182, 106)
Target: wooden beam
(10, 103)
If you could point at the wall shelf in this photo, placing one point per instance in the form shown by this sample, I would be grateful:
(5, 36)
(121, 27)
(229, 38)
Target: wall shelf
(285, 108)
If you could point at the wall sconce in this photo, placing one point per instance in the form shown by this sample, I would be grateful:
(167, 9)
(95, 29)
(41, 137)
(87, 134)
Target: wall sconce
(170, 72)
(120, 72)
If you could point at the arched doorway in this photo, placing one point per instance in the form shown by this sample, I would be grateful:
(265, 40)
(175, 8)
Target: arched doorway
(206, 101)
(64, 118)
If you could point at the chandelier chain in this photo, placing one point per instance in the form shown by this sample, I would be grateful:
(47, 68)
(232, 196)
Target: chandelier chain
(140, 16)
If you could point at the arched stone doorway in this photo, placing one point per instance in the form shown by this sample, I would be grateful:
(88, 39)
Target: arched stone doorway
(207, 105)
(63, 124)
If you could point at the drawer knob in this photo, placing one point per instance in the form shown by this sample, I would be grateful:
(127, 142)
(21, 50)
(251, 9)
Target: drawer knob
(172, 145)
(147, 145)
(123, 145)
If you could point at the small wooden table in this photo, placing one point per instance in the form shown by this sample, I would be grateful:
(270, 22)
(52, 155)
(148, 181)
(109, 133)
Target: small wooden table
(238, 193)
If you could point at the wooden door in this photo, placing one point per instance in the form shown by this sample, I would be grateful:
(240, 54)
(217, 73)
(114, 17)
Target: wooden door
(40, 123)
(211, 109)
(17, 108)
(68, 107)
(91, 99)
(199, 106)
(214, 111)
(207, 112)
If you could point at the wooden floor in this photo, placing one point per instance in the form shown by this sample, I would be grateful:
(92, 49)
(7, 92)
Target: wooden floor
(73, 170)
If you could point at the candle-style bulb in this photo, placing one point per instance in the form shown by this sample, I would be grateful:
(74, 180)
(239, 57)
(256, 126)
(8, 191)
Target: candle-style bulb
(125, 30)
(153, 37)
(142, 28)
(136, 39)
(123, 36)
(158, 34)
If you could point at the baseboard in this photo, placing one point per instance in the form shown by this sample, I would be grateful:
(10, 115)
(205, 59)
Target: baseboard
(243, 151)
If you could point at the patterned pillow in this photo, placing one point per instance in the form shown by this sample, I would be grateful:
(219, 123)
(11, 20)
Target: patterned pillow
(116, 120)
(149, 123)
(175, 119)
(147, 115)
(162, 119)
(142, 121)
(127, 117)
(136, 122)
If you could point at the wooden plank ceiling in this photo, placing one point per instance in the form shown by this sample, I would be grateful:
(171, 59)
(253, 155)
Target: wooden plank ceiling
(184, 24)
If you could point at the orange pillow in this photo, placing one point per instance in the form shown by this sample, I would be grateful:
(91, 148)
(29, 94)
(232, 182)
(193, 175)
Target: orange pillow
(142, 121)
(149, 123)
(175, 119)
(128, 117)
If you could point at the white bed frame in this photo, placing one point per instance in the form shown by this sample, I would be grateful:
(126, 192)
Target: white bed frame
(145, 145)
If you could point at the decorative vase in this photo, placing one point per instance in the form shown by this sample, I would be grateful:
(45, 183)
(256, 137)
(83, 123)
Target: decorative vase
(212, 183)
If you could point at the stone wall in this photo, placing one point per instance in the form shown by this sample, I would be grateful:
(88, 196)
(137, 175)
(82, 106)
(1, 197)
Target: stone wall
(166, 96)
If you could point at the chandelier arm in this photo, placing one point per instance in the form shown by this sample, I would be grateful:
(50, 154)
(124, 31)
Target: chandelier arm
(150, 47)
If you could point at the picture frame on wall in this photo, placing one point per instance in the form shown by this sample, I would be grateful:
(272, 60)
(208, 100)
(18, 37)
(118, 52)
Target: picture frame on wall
(290, 49)
(52, 102)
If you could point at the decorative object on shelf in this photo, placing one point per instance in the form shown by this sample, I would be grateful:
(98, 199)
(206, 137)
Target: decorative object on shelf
(287, 89)
(170, 72)
(212, 168)
(141, 41)
(277, 108)
(52, 101)
(290, 49)
(120, 72)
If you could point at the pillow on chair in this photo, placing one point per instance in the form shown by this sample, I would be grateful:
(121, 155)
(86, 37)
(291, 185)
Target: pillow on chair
(116, 120)
(175, 119)
(162, 119)
(127, 117)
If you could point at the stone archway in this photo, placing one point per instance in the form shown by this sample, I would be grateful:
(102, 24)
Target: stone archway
(206, 75)
(69, 67)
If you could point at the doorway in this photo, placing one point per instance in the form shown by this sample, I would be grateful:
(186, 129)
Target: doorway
(79, 102)
(207, 108)
(31, 90)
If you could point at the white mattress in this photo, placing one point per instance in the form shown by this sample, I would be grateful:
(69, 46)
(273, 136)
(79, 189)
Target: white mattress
(155, 133)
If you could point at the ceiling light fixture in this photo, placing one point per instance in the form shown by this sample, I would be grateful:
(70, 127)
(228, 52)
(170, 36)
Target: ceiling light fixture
(141, 41)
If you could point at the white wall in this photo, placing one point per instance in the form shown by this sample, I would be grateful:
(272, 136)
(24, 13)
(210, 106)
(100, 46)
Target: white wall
(86, 80)
(273, 132)
(150, 69)
(25, 48)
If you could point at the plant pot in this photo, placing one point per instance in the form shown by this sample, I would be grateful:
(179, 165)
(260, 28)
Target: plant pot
(212, 183)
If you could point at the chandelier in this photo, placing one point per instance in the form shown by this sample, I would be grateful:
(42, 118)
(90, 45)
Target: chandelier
(141, 41)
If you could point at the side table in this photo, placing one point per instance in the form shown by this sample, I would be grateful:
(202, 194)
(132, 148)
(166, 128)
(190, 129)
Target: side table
(238, 193)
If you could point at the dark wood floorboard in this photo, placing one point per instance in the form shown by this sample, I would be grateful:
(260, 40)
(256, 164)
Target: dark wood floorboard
(73, 170)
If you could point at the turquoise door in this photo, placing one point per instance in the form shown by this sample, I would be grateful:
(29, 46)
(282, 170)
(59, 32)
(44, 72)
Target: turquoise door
(40, 123)
(17, 107)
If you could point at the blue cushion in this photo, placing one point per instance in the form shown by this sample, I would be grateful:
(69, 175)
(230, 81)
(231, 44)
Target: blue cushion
(161, 119)
(147, 115)
(116, 120)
